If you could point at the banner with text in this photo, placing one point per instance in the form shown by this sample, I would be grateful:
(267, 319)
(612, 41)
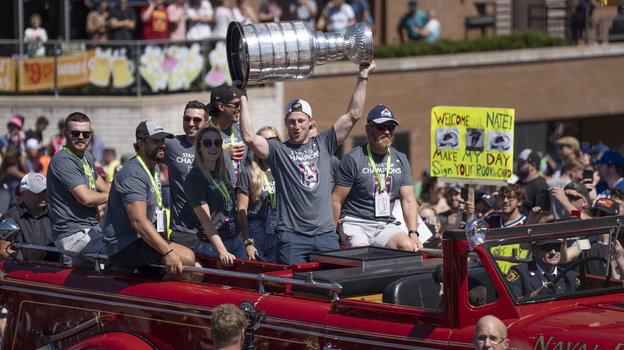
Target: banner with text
(472, 143)
(7, 74)
(36, 74)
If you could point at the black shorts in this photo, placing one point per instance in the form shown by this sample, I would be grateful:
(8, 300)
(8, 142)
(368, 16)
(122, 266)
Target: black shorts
(186, 239)
(137, 254)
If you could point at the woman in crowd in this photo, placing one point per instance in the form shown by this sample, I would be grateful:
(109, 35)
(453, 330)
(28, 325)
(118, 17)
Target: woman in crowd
(211, 196)
(256, 197)
(12, 171)
(223, 15)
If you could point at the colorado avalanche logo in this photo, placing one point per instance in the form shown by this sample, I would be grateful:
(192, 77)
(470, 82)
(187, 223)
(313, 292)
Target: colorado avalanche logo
(309, 174)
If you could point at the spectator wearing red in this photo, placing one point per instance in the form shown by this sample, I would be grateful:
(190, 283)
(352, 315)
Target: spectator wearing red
(155, 20)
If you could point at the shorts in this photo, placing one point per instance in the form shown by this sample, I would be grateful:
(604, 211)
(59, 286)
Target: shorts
(369, 232)
(88, 240)
(137, 254)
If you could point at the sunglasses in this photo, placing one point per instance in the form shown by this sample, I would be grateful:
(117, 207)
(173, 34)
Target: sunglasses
(232, 104)
(549, 247)
(573, 198)
(196, 120)
(384, 127)
(209, 142)
(76, 133)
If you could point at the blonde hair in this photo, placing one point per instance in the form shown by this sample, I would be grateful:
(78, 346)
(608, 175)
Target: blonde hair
(256, 181)
(220, 168)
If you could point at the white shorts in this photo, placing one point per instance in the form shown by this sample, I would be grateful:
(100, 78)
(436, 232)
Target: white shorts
(369, 232)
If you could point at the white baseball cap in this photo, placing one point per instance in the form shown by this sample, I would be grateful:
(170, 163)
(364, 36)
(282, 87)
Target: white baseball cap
(33, 182)
(299, 106)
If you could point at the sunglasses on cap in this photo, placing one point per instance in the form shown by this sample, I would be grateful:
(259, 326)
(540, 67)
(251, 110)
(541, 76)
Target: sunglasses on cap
(76, 133)
(196, 120)
(209, 142)
(573, 198)
(383, 127)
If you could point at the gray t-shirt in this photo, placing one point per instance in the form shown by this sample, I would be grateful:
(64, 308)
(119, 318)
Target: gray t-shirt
(233, 135)
(199, 191)
(131, 184)
(256, 210)
(303, 183)
(64, 173)
(179, 156)
(356, 172)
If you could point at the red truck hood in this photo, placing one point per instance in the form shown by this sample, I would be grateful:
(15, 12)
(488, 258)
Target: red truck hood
(583, 326)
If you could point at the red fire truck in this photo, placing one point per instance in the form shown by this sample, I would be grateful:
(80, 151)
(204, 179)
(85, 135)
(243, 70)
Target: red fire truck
(360, 298)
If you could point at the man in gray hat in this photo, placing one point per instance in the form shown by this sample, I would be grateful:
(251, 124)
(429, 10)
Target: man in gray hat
(135, 222)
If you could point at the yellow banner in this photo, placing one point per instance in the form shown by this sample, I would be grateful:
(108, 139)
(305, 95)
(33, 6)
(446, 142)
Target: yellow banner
(73, 70)
(36, 74)
(7, 74)
(472, 143)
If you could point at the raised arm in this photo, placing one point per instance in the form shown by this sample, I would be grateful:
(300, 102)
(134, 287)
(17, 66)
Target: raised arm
(257, 143)
(345, 123)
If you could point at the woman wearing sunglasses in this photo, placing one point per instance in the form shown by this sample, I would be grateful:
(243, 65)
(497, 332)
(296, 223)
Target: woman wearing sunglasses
(256, 199)
(210, 194)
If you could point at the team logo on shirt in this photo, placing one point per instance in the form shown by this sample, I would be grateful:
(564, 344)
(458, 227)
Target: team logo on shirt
(309, 174)
(387, 185)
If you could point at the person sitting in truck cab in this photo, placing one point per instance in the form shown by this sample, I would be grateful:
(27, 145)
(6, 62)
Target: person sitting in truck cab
(537, 277)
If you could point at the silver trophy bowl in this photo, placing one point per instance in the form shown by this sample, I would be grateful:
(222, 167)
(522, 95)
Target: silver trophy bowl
(268, 52)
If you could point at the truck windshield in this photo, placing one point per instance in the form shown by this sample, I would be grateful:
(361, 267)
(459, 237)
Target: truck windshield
(553, 267)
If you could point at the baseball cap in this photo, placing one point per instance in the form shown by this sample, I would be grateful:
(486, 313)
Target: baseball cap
(606, 206)
(528, 155)
(454, 187)
(578, 187)
(151, 129)
(224, 93)
(299, 105)
(569, 141)
(17, 121)
(612, 158)
(489, 200)
(599, 148)
(381, 114)
(33, 144)
(33, 182)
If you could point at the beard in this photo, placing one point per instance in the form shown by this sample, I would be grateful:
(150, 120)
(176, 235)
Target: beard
(384, 142)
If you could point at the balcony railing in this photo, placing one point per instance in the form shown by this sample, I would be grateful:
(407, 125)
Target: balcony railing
(111, 68)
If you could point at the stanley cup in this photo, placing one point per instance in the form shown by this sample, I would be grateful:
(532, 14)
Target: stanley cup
(268, 52)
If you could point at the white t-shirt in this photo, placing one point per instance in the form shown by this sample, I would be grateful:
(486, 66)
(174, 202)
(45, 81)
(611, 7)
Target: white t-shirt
(338, 19)
(240, 17)
(303, 14)
(433, 26)
(199, 30)
(223, 17)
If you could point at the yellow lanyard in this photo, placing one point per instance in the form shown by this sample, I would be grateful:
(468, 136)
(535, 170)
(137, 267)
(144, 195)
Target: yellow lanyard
(223, 145)
(155, 181)
(382, 185)
(85, 166)
(270, 189)
(222, 187)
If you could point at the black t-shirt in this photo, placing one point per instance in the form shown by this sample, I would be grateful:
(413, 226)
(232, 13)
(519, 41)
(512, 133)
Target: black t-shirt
(533, 191)
(33, 230)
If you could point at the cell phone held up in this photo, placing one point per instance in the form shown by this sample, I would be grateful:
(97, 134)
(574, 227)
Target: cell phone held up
(544, 200)
(588, 174)
(464, 193)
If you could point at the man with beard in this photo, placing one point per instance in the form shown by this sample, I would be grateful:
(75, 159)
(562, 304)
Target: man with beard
(536, 277)
(75, 191)
(368, 181)
(179, 156)
(534, 185)
(224, 110)
(135, 220)
(302, 170)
